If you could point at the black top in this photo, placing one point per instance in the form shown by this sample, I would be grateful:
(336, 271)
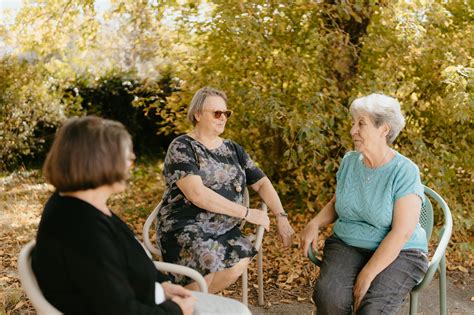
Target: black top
(89, 263)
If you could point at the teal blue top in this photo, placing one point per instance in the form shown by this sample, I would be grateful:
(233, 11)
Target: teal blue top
(365, 199)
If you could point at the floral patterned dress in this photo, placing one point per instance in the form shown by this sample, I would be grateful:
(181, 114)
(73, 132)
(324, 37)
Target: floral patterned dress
(194, 237)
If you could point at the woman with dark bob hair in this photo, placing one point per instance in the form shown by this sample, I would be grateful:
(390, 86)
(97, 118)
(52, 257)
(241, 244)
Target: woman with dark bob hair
(86, 260)
(377, 252)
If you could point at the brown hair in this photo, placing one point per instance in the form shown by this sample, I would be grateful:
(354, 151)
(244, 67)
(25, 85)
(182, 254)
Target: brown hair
(198, 101)
(87, 152)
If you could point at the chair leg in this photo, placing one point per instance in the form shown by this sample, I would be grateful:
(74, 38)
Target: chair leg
(245, 298)
(413, 303)
(443, 308)
(260, 276)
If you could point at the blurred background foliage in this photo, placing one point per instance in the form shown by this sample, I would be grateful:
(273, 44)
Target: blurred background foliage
(290, 70)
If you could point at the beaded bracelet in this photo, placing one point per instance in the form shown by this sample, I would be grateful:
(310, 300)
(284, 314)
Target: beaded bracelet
(247, 212)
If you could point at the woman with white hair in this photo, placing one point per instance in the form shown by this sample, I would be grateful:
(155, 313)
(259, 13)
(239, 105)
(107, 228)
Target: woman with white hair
(199, 221)
(377, 252)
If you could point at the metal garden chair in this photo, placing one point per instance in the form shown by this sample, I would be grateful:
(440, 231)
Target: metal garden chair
(151, 220)
(30, 285)
(438, 261)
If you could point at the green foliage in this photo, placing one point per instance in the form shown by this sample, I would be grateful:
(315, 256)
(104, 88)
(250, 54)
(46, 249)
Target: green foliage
(290, 70)
(282, 66)
(121, 96)
(31, 107)
(423, 58)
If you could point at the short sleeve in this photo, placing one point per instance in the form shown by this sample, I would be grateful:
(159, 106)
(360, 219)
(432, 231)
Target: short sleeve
(408, 182)
(252, 172)
(343, 165)
(180, 161)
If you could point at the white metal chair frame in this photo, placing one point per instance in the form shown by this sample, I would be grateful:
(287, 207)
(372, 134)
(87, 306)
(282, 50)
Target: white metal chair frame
(29, 283)
(257, 244)
(43, 307)
(438, 261)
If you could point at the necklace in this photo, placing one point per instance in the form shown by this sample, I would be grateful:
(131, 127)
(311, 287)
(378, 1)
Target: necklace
(210, 144)
(369, 171)
(381, 161)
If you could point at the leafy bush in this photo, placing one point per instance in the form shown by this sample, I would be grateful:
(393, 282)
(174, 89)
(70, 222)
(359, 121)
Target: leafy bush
(121, 97)
(435, 84)
(292, 71)
(284, 69)
(31, 107)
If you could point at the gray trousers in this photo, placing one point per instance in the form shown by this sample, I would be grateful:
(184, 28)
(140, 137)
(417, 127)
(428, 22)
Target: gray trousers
(339, 269)
(210, 304)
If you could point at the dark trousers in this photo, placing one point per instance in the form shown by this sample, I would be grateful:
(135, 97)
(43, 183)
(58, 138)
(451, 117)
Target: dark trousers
(339, 269)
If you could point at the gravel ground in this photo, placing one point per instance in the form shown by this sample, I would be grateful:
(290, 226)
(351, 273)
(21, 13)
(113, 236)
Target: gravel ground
(460, 302)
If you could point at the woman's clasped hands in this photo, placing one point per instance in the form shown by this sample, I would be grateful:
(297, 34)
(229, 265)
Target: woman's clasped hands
(180, 296)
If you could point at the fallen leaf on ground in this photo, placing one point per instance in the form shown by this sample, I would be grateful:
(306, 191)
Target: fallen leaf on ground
(18, 305)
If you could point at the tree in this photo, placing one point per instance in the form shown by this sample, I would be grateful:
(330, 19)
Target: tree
(290, 69)
(30, 105)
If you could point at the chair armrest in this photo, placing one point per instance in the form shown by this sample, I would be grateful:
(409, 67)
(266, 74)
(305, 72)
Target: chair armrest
(30, 284)
(260, 230)
(315, 260)
(186, 271)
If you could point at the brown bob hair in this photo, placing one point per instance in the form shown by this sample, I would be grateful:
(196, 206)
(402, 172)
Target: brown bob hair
(88, 152)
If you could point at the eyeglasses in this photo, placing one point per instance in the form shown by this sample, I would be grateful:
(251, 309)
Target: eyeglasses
(219, 113)
(131, 160)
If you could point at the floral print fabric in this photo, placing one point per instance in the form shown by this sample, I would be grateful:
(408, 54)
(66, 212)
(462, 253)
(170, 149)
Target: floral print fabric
(194, 237)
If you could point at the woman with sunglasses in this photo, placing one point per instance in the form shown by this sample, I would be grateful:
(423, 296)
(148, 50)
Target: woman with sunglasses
(201, 212)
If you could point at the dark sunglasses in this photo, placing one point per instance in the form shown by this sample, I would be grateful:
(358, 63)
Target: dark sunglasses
(131, 159)
(219, 113)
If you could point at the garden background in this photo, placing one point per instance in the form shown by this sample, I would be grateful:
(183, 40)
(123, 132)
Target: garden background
(290, 70)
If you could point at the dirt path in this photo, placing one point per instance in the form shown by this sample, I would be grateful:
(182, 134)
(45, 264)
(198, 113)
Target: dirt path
(459, 302)
(288, 276)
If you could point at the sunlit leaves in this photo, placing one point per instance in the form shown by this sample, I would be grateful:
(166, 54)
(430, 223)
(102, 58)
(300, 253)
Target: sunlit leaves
(290, 70)
(419, 52)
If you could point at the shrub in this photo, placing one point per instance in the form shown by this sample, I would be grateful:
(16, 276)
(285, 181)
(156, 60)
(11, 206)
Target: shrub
(31, 107)
(122, 97)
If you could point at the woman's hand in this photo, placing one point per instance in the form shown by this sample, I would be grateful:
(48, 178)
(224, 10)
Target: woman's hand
(285, 231)
(362, 285)
(309, 237)
(258, 217)
(186, 304)
(173, 290)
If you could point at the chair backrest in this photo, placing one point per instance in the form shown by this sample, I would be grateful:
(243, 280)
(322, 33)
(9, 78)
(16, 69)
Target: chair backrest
(444, 236)
(29, 283)
(426, 216)
(146, 231)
